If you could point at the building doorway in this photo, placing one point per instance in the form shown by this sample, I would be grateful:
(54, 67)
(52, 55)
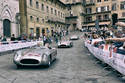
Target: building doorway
(37, 32)
(43, 31)
(6, 28)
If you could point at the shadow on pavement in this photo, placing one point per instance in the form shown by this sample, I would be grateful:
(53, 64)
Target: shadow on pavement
(42, 67)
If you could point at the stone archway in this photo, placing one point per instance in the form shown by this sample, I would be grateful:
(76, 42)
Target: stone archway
(6, 28)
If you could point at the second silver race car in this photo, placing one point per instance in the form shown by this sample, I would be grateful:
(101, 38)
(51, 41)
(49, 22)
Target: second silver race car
(63, 44)
(74, 37)
(35, 56)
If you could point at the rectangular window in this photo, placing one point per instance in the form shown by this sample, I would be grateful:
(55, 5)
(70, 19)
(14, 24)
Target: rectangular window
(106, 17)
(55, 12)
(89, 19)
(106, 8)
(67, 0)
(122, 6)
(105, 0)
(74, 0)
(88, 10)
(31, 3)
(51, 10)
(123, 14)
(98, 9)
(99, 17)
(47, 9)
(37, 19)
(59, 13)
(98, 0)
(31, 30)
(42, 20)
(31, 18)
(42, 7)
(91, 1)
(37, 4)
(102, 9)
(114, 7)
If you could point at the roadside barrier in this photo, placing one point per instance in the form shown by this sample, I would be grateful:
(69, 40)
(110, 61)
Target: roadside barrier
(109, 56)
(7, 46)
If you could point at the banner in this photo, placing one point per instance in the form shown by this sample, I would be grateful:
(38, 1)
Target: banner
(16, 46)
(107, 55)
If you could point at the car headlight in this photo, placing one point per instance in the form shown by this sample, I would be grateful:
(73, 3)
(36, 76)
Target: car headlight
(44, 57)
(59, 43)
(16, 57)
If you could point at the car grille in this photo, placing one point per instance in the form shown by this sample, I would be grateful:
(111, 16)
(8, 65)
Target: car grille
(29, 61)
(63, 45)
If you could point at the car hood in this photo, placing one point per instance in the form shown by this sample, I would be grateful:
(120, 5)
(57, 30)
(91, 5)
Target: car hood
(33, 53)
(65, 42)
(74, 36)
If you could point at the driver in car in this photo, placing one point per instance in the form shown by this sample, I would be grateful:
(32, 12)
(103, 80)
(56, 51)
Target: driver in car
(48, 46)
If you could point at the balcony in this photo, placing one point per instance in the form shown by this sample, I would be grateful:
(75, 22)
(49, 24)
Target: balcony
(82, 13)
(55, 19)
(71, 16)
(103, 12)
(88, 22)
(88, 14)
(90, 3)
(60, 20)
(51, 19)
(103, 20)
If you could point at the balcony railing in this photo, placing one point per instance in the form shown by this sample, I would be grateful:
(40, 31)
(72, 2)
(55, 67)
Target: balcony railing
(103, 12)
(83, 13)
(90, 3)
(55, 19)
(104, 20)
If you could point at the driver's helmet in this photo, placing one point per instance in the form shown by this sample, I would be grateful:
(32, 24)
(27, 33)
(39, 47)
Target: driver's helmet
(47, 45)
(39, 44)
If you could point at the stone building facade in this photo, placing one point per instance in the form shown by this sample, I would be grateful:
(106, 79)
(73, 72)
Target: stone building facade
(74, 18)
(39, 17)
(9, 18)
(104, 11)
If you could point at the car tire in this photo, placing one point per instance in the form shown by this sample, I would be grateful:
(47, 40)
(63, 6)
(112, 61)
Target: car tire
(18, 66)
(70, 45)
(49, 62)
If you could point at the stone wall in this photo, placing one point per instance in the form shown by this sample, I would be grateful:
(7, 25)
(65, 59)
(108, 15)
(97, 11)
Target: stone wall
(9, 10)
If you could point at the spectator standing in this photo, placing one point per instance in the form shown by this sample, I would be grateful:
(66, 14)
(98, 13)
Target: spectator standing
(44, 40)
(4, 39)
(13, 37)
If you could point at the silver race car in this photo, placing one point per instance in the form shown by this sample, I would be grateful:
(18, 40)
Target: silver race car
(35, 56)
(65, 43)
(74, 37)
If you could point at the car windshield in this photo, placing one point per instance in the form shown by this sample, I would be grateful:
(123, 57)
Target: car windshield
(39, 47)
(35, 49)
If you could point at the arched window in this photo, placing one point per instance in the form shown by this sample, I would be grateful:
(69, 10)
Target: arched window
(37, 4)
(31, 3)
(31, 18)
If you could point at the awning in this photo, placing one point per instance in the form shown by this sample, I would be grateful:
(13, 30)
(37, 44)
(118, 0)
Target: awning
(121, 24)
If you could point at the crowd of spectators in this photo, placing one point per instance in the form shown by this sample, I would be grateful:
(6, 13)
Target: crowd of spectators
(113, 37)
(46, 38)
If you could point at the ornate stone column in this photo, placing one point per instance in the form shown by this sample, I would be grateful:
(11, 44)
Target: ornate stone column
(1, 27)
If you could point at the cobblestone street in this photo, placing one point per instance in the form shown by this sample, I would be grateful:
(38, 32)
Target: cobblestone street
(73, 65)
